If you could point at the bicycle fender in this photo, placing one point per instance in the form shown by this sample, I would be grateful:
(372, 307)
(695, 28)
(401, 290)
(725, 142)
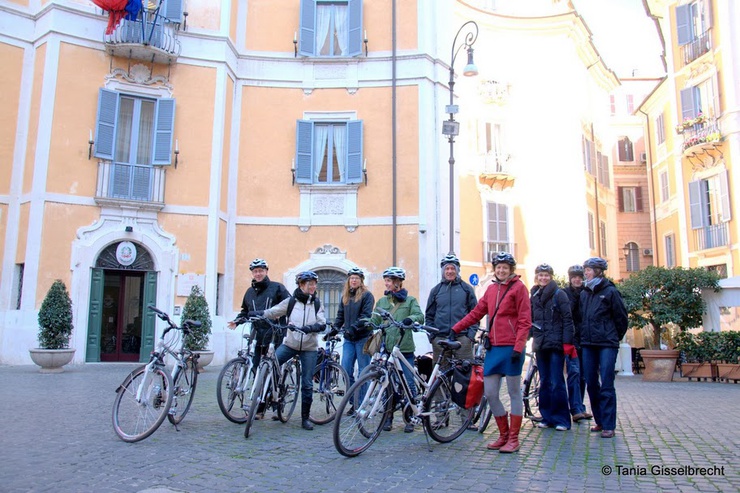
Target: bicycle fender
(129, 377)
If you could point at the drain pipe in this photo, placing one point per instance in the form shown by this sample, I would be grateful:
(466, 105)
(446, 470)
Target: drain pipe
(649, 164)
(393, 132)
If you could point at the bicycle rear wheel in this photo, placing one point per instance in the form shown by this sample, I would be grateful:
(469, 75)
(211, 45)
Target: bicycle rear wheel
(290, 385)
(531, 396)
(442, 418)
(256, 398)
(330, 384)
(133, 419)
(356, 433)
(234, 383)
(184, 391)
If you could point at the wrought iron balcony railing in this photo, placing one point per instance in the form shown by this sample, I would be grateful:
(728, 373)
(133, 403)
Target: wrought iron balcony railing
(702, 131)
(713, 236)
(149, 37)
(698, 47)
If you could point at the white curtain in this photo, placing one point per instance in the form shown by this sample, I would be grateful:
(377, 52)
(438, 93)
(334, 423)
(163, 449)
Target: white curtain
(146, 133)
(323, 21)
(340, 149)
(340, 25)
(123, 130)
(321, 134)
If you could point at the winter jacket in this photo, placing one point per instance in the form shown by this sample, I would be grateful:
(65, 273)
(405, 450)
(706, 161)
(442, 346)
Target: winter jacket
(409, 308)
(551, 313)
(261, 296)
(448, 303)
(574, 295)
(603, 315)
(514, 316)
(348, 315)
(303, 316)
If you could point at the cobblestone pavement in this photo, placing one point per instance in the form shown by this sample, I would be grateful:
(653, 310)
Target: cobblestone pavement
(57, 436)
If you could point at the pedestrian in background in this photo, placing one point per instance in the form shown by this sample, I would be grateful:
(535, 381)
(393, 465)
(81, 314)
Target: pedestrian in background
(576, 375)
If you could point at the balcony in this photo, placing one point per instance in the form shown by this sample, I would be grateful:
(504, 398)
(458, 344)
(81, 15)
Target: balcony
(716, 235)
(130, 185)
(495, 171)
(491, 248)
(698, 47)
(150, 38)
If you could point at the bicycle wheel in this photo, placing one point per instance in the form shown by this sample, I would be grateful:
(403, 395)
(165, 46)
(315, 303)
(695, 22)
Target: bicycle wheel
(234, 383)
(531, 395)
(356, 433)
(135, 419)
(485, 417)
(290, 386)
(184, 391)
(330, 384)
(256, 398)
(442, 418)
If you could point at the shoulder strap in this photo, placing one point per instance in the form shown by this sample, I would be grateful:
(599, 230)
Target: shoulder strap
(291, 305)
(495, 311)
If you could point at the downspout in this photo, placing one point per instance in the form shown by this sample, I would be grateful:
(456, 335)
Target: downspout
(394, 163)
(597, 226)
(649, 164)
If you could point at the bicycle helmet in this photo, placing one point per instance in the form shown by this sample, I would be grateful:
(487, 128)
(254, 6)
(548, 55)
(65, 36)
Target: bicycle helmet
(396, 272)
(450, 258)
(544, 268)
(307, 275)
(575, 270)
(258, 263)
(596, 263)
(504, 257)
(356, 271)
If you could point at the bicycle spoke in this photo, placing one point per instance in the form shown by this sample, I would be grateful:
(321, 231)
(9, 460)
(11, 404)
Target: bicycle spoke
(354, 434)
(135, 419)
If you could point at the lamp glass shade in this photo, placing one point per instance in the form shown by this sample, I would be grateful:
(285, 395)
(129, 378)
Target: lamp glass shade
(470, 69)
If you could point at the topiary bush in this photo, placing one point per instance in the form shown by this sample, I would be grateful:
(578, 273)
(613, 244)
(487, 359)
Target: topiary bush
(55, 318)
(196, 308)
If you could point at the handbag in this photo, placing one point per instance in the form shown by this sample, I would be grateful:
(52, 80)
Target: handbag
(467, 384)
(372, 345)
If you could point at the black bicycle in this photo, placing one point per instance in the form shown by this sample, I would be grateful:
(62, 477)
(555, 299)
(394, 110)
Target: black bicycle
(234, 384)
(330, 383)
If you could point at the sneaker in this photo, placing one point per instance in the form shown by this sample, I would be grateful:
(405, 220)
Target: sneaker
(561, 428)
(607, 434)
(588, 415)
(578, 417)
(542, 424)
(409, 428)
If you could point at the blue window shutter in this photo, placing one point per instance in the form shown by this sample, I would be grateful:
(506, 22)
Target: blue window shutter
(105, 126)
(172, 10)
(697, 218)
(164, 123)
(725, 213)
(355, 27)
(120, 184)
(683, 24)
(141, 183)
(687, 103)
(304, 151)
(354, 151)
(307, 43)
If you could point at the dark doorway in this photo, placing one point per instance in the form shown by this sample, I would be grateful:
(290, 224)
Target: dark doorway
(120, 330)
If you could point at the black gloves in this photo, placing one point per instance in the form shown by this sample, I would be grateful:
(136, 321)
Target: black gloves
(255, 313)
(309, 329)
(331, 333)
(407, 321)
(452, 336)
(516, 356)
(350, 332)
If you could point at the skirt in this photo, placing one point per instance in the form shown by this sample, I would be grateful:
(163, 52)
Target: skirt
(498, 362)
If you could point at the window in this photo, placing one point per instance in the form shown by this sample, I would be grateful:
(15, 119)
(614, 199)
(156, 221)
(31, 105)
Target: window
(612, 105)
(665, 192)
(329, 289)
(693, 20)
(630, 199)
(670, 250)
(591, 237)
(720, 269)
(630, 104)
(699, 99)
(329, 152)
(497, 230)
(660, 128)
(331, 28)
(602, 231)
(625, 150)
(709, 204)
(633, 257)
(589, 156)
(603, 162)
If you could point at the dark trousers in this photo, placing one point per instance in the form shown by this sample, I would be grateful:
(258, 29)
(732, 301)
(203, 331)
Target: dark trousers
(553, 394)
(599, 364)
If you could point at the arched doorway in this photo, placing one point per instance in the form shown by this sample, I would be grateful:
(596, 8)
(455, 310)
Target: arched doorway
(123, 283)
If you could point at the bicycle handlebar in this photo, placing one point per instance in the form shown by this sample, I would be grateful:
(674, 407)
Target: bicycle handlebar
(185, 327)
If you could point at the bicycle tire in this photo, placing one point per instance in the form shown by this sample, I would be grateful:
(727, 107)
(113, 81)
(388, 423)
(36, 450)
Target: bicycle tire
(531, 395)
(485, 418)
(290, 386)
(443, 419)
(183, 391)
(256, 397)
(133, 420)
(229, 393)
(354, 434)
(330, 383)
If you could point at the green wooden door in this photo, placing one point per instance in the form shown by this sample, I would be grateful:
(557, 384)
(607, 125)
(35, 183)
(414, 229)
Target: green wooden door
(94, 320)
(147, 327)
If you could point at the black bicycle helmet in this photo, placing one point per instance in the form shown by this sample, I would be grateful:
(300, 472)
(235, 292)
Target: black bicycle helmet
(544, 268)
(307, 275)
(596, 263)
(575, 270)
(504, 257)
(450, 258)
(396, 272)
(356, 271)
(258, 263)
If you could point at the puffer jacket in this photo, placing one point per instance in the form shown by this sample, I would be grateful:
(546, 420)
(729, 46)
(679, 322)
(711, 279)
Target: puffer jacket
(448, 303)
(349, 314)
(514, 316)
(603, 315)
(304, 314)
(574, 295)
(409, 308)
(551, 313)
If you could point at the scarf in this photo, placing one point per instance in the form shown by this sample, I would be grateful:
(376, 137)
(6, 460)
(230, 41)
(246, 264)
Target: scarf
(302, 297)
(591, 285)
(398, 296)
(262, 285)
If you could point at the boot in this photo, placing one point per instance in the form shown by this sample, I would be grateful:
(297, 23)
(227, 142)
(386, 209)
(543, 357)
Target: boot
(305, 412)
(503, 432)
(512, 445)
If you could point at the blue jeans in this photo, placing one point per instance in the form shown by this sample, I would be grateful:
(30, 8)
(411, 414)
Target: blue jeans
(575, 397)
(553, 394)
(599, 363)
(409, 374)
(351, 353)
(308, 364)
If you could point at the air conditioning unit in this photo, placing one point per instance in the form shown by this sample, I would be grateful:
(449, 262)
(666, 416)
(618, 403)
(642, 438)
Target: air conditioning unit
(643, 157)
(647, 251)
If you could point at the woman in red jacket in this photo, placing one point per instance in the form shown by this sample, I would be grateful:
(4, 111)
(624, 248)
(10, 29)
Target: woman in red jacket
(506, 302)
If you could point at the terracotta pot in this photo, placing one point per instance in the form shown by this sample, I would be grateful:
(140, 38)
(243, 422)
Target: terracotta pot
(699, 370)
(51, 360)
(728, 371)
(660, 364)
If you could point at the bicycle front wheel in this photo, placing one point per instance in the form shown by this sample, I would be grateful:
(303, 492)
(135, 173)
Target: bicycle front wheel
(485, 417)
(184, 391)
(531, 395)
(372, 398)
(135, 418)
(289, 388)
(234, 383)
(329, 388)
(442, 418)
(256, 398)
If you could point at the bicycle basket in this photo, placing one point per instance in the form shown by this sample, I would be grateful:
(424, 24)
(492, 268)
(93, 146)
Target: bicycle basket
(372, 345)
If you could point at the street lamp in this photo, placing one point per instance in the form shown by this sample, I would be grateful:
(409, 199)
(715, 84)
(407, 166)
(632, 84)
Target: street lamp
(450, 127)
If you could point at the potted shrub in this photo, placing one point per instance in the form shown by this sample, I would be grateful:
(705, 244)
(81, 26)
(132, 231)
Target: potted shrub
(697, 354)
(729, 355)
(55, 330)
(196, 308)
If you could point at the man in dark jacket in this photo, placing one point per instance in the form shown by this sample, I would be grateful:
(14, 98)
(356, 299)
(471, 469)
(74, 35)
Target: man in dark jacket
(576, 372)
(449, 301)
(603, 325)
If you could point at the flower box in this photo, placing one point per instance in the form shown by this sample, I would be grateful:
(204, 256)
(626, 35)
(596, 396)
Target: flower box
(699, 371)
(728, 371)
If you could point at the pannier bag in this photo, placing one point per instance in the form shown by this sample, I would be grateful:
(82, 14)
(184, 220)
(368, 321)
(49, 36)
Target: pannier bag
(467, 384)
